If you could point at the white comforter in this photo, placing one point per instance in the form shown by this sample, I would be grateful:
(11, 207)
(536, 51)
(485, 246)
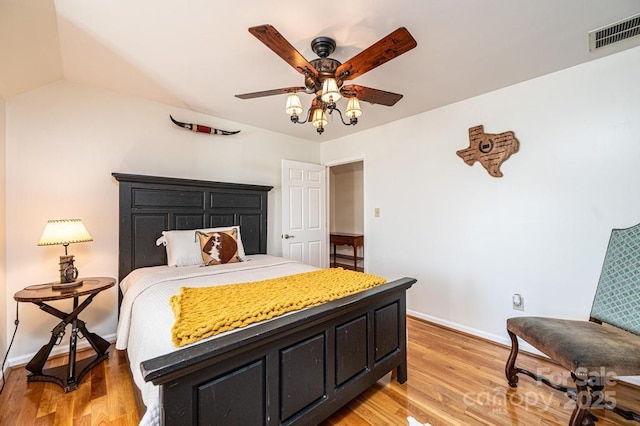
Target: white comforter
(146, 318)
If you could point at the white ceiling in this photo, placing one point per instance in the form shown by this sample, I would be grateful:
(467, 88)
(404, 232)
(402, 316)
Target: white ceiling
(198, 54)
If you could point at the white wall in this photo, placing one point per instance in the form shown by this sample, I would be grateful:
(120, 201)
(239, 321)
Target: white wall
(3, 264)
(63, 142)
(473, 240)
(346, 198)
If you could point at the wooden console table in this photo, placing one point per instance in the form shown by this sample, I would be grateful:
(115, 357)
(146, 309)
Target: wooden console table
(345, 238)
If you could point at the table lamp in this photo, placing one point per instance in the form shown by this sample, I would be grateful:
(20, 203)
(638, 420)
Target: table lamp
(65, 232)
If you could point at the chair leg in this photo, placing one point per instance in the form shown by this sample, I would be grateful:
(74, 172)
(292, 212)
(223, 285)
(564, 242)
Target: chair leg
(510, 369)
(581, 415)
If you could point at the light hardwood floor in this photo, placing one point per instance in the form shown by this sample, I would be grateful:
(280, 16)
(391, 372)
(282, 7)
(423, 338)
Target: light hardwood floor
(454, 379)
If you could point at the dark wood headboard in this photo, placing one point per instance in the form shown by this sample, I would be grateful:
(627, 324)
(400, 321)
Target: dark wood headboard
(150, 205)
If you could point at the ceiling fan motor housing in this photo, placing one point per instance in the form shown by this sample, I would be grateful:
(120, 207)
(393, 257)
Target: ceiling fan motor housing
(326, 67)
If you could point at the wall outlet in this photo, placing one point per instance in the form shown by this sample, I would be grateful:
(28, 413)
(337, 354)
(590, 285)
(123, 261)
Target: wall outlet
(376, 212)
(518, 302)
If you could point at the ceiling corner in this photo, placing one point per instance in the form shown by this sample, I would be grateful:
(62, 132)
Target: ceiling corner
(30, 47)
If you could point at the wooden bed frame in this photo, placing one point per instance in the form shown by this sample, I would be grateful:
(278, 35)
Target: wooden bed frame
(295, 369)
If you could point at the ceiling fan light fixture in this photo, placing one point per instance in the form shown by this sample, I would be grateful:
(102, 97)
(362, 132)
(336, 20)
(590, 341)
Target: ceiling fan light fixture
(324, 77)
(353, 109)
(330, 92)
(319, 119)
(294, 105)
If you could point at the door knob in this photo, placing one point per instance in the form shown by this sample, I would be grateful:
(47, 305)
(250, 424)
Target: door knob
(287, 236)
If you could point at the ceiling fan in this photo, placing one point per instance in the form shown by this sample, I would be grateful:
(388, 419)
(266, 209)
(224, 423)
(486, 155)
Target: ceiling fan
(325, 76)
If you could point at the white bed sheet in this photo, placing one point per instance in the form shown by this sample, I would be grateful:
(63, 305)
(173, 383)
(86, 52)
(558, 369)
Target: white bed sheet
(146, 318)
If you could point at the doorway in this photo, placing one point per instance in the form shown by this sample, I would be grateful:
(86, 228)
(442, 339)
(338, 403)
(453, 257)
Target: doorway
(346, 215)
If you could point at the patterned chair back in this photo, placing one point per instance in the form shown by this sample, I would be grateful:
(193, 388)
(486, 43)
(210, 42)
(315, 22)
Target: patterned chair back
(617, 299)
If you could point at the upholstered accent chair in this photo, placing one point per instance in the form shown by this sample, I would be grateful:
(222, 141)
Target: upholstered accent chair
(597, 351)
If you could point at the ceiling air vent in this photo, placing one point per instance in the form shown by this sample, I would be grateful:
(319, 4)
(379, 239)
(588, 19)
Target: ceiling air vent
(614, 33)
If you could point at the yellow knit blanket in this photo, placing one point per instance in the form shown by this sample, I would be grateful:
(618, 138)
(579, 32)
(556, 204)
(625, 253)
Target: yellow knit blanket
(207, 311)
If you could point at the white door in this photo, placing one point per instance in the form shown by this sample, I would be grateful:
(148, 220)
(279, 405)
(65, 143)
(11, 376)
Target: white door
(304, 218)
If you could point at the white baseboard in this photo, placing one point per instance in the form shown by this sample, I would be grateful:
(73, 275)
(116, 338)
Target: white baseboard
(503, 340)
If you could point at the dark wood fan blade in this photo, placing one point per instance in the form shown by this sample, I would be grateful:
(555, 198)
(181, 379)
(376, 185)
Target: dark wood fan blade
(391, 46)
(373, 96)
(276, 42)
(271, 92)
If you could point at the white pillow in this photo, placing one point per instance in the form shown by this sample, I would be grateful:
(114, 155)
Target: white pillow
(183, 247)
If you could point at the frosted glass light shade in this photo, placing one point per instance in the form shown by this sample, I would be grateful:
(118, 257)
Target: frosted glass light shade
(65, 231)
(319, 118)
(330, 91)
(294, 106)
(353, 108)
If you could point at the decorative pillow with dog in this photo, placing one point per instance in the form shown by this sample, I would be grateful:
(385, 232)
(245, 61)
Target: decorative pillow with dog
(219, 247)
(183, 246)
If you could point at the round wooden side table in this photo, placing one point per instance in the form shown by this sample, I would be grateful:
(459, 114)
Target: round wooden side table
(67, 376)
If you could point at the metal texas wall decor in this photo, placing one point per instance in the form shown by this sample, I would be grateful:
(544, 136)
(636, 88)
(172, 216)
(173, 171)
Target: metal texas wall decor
(202, 129)
(490, 149)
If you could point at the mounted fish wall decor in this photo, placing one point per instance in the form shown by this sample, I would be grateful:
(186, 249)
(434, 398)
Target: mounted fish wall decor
(489, 149)
(202, 129)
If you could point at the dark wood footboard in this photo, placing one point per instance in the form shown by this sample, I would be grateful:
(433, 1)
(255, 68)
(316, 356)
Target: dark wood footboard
(295, 369)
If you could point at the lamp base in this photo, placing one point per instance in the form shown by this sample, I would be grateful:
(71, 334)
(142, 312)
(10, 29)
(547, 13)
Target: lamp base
(65, 286)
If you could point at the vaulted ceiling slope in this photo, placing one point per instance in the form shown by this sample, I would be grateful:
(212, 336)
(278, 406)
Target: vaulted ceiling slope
(197, 55)
(29, 46)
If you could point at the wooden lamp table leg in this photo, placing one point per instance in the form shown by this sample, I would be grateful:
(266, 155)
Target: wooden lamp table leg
(67, 376)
